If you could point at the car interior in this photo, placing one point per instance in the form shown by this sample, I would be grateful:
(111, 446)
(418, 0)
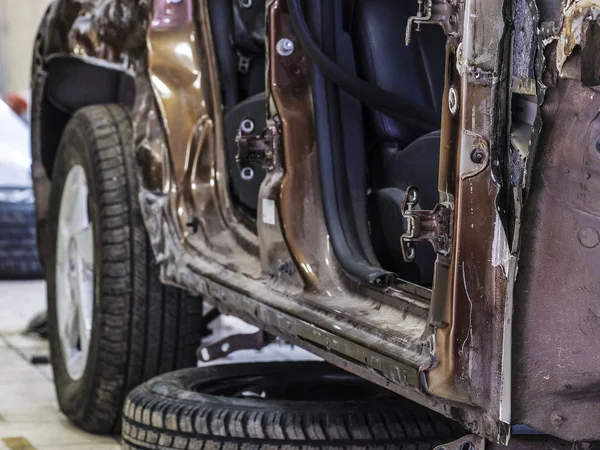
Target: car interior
(365, 169)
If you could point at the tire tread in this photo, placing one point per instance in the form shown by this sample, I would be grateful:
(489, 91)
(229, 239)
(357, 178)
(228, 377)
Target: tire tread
(160, 410)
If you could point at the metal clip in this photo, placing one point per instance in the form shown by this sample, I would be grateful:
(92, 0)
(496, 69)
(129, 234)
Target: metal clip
(257, 148)
(433, 226)
(445, 13)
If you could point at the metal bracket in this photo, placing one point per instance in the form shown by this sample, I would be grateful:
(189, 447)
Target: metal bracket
(433, 226)
(260, 148)
(233, 343)
(470, 442)
(445, 13)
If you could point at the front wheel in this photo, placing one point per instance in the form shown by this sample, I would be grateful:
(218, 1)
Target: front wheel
(112, 325)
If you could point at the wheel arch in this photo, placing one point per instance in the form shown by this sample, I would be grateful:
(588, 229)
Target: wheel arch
(72, 83)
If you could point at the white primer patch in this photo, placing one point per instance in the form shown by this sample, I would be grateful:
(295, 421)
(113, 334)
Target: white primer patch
(268, 211)
(500, 251)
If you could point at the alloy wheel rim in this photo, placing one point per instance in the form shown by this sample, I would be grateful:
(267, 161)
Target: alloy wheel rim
(75, 273)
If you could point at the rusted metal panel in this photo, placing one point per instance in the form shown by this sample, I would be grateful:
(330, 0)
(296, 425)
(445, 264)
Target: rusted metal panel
(555, 356)
(556, 298)
(473, 350)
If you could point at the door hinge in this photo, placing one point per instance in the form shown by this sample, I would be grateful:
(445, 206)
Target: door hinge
(261, 148)
(433, 226)
(446, 13)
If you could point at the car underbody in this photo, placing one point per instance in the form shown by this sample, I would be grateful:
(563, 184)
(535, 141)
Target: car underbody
(499, 325)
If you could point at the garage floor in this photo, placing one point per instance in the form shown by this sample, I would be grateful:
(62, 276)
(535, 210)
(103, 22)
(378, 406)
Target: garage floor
(29, 415)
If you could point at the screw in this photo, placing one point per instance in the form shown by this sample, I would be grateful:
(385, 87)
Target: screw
(477, 155)
(246, 3)
(453, 100)
(440, 218)
(285, 47)
(410, 253)
(247, 173)
(247, 126)
(598, 145)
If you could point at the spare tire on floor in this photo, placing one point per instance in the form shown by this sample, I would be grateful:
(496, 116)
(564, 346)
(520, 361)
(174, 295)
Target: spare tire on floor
(289, 405)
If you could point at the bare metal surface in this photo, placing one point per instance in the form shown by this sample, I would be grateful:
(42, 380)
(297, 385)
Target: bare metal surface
(576, 15)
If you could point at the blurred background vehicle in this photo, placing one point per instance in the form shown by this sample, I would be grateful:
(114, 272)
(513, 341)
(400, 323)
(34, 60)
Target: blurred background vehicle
(18, 251)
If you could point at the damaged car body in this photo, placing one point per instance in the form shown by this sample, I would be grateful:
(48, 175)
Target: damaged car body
(443, 248)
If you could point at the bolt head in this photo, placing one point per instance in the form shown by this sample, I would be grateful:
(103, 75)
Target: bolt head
(477, 155)
(285, 47)
(247, 173)
(247, 126)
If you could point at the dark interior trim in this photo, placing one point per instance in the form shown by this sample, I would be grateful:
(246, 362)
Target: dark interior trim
(371, 95)
(344, 207)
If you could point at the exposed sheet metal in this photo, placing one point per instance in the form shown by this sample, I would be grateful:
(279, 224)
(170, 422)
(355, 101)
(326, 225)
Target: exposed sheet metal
(575, 15)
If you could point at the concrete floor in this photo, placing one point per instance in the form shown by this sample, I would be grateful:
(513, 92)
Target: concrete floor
(29, 414)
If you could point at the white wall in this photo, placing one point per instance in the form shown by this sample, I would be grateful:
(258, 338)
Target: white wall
(19, 20)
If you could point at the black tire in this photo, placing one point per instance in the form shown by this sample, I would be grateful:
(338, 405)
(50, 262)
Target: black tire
(140, 328)
(18, 246)
(317, 406)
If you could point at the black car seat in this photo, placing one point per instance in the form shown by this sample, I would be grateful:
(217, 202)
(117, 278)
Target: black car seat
(239, 37)
(399, 155)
